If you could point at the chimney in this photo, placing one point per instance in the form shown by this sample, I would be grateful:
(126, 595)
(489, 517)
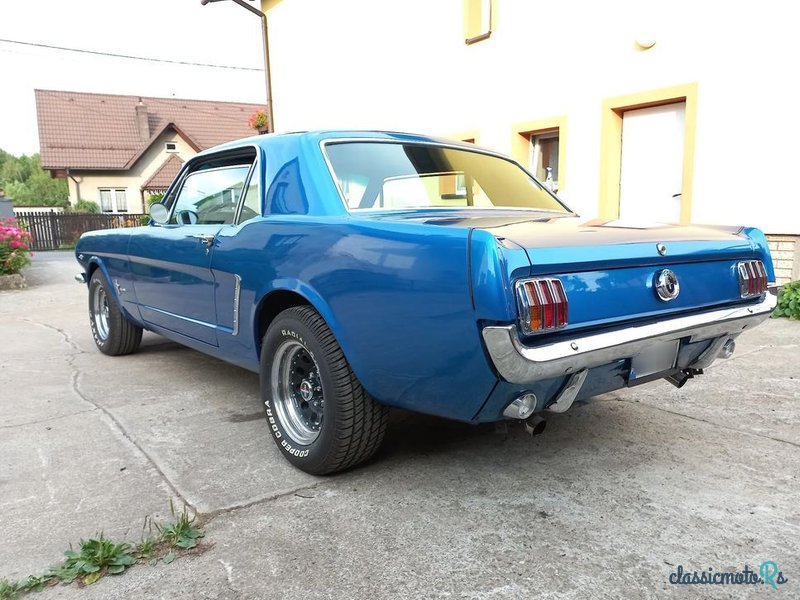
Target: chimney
(142, 124)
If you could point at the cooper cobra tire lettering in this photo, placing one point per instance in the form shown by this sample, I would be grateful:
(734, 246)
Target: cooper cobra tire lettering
(351, 425)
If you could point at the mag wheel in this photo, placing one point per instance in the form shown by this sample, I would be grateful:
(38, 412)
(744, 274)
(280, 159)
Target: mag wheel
(320, 417)
(297, 396)
(112, 332)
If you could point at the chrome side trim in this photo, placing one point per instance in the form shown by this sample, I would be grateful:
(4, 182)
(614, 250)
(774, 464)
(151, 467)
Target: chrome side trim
(522, 364)
(237, 290)
(174, 316)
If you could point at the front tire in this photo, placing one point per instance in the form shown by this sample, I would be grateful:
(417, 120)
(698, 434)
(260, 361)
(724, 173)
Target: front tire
(320, 417)
(113, 334)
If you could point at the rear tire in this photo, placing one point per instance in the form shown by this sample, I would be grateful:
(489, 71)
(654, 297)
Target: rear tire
(113, 333)
(320, 417)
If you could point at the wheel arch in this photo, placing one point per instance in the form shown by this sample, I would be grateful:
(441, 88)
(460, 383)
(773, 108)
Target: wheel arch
(270, 306)
(289, 293)
(93, 265)
(278, 299)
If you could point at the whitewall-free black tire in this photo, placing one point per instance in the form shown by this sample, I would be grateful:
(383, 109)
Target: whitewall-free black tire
(112, 332)
(319, 416)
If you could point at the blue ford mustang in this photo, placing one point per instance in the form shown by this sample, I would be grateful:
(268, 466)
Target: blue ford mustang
(355, 271)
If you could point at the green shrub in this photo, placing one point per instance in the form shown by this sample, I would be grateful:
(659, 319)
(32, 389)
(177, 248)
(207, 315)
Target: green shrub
(15, 247)
(151, 199)
(789, 301)
(86, 206)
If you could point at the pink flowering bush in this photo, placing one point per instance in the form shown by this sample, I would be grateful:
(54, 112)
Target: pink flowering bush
(15, 247)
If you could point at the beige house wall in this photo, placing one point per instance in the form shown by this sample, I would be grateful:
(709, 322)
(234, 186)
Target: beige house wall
(785, 251)
(131, 181)
(405, 66)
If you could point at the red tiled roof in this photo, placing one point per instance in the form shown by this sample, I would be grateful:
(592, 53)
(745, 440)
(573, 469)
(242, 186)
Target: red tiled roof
(164, 175)
(79, 130)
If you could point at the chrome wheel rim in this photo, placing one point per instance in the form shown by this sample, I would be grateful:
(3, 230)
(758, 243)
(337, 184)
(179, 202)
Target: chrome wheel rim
(100, 312)
(297, 392)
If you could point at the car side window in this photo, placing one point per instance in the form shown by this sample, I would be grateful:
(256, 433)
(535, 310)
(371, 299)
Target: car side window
(251, 207)
(210, 196)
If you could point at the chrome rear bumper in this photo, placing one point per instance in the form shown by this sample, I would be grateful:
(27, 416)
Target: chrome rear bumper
(522, 364)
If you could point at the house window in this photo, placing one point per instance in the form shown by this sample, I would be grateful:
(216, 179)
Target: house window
(113, 200)
(477, 20)
(171, 147)
(544, 150)
(540, 145)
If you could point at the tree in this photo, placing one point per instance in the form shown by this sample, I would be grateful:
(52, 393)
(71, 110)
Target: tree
(28, 184)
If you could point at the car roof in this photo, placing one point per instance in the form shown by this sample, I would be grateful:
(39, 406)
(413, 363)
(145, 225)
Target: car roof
(318, 136)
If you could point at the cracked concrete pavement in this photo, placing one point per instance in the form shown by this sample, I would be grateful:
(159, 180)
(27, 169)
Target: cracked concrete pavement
(605, 504)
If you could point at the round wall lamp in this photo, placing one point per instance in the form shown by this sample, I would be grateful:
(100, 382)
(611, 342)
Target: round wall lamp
(645, 42)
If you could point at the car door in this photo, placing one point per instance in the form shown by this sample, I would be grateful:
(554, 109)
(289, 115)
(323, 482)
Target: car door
(171, 262)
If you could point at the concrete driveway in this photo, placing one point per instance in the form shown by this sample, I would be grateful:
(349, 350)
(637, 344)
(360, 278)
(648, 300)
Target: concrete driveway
(607, 503)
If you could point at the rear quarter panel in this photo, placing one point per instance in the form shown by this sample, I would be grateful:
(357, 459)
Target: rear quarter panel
(396, 296)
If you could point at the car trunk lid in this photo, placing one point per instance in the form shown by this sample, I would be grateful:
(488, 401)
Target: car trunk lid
(609, 269)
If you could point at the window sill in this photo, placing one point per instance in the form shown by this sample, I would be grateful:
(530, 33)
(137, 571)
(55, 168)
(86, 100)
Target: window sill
(478, 38)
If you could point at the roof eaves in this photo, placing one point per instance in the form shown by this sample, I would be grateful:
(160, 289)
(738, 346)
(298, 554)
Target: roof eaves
(146, 185)
(153, 139)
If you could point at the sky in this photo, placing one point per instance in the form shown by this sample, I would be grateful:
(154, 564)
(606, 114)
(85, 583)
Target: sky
(219, 33)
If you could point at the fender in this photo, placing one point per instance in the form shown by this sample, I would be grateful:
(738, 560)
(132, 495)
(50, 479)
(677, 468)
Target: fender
(760, 243)
(309, 294)
(96, 262)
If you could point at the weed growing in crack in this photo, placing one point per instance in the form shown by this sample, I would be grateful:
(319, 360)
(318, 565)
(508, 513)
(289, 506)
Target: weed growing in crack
(9, 589)
(93, 559)
(101, 556)
(147, 549)
(180, 532)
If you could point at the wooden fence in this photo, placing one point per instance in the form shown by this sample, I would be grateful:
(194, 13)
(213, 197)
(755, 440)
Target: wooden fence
(53, 231)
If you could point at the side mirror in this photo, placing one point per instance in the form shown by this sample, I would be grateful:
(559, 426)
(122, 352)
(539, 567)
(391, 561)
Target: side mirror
(159, 213)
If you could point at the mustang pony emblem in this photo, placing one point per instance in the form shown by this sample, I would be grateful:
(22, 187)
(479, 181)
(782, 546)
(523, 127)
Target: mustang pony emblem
(667, 286)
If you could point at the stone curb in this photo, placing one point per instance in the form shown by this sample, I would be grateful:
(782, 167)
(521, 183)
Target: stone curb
(12, 282)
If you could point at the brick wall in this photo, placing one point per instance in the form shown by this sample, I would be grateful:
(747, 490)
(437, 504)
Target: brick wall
(785, 251)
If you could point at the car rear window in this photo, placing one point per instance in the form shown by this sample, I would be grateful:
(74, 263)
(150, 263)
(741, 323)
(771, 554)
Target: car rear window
(394, 175)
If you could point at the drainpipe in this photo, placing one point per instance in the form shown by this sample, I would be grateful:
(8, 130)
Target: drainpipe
(77, 186)
(265, 42)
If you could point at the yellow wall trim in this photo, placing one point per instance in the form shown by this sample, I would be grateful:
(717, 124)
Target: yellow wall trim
(476, 27)
(520, 142)
(611, 143)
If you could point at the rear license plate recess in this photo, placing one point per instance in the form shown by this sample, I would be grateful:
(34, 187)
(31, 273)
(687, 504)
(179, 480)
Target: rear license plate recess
(656, 358)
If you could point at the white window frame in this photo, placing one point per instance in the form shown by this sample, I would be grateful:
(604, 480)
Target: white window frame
(173, 149)
(536, 150)
(114, 193)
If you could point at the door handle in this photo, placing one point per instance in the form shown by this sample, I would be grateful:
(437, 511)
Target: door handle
(208, 240)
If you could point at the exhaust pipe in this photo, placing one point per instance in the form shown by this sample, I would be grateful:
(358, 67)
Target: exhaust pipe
(679, 378)
(522, 407)
(728, 349)
(535, 425)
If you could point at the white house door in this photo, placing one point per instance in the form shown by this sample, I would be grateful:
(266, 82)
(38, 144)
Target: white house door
(651, 176)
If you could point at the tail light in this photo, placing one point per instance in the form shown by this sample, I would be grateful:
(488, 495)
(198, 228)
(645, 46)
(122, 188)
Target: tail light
(752, 278)
(542, 304)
